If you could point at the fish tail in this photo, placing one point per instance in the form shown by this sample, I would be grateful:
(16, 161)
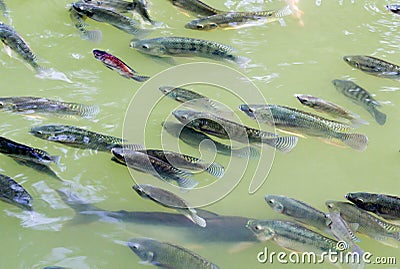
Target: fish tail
(93, 35)
(283, 143)
(242, 61)
(138, 78)
(197, 219)
(187, 183)
(379, 116)
(285, 11)
(355, 141)
(215, 170)
(246, 152)
(89, 111)
(357, 122)
(56, 159)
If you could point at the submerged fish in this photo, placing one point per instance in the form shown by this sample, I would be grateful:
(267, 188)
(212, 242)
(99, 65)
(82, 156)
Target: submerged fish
(5, 11)
(195, 7)
(117, 65)
(292, 236)
(298, 210)
(79, 23)
(170, 200)
(13, 193)
(360, 97)
(195, 138)
(192, 99)
(148, 164)
(366, 223)
(395, 8)
(13, 41)
(30, 104)
(26, 153)
(167, 255)
(187, 47)
(227, 129)
(387, 206)
(183, 161)
(373, 66)
(237, 19)
(329, 108)
(113, 18)
(297, 121)
(76, 137)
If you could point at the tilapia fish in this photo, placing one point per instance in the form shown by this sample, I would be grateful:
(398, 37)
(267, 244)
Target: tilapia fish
(298, 210)
(292, 236)
(118, 65)
(26, 153)
(373, 66)
(387, 206)
(29, 104)
(366, 223)
(109, 16)
(13, 193)
(170, 200)
(151, 165)
(188, 47)
(297, 121)
(195, 138)
(226, 129)
(232, 20)
(360, 97)
(329, 108)
(167, 255)
(195, 7)
(14, 41)
(76, 137)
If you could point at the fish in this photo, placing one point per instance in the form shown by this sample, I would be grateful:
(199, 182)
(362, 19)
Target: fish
(26, 153)
(220, 228)
(384, 205)
(187, 47)
(14, 41)
(292, 236)
(366, 223)
(167, 255)
(186, 161)
(170, 200)
(298, 210)
(192, 99)
(76, 137)
(395, 8)
(343, 232)
(226, 129)
(5, 11)
(195, 7)
(123, 6)
(80, 24)
(360, 97)
(373, 66)
(117, 65)
(195, 138)
(13, 193)
(119, 21)
(148, 164)
(297, 121)
(30, 104)
(234, 20)
(329, 108)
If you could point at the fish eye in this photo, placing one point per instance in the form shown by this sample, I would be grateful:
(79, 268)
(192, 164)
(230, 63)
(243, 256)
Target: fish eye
(258, 227)
(145, 46)
(329, 205)
(360, 200)
(39, 132)
(1, 104)
(271, 201)
(199, 26)
(357, 65)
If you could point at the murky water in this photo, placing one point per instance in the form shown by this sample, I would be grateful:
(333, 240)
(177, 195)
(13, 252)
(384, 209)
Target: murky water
(287, 58)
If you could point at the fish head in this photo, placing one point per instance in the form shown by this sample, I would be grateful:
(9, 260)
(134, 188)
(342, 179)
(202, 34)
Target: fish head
(248, 110)
(41, 156)
(354, 61)
(274, 203)
(99, 54)
(333, 206)
(341, 85)
(363, 200)
(83, 8)
(260, 229)
(395, 8)
(46, 131)
(140, 190)
(140, 247)
(306, 100)
(119, 155)
(186, 116)
(202, 25)
(148, 47)
(167, 90)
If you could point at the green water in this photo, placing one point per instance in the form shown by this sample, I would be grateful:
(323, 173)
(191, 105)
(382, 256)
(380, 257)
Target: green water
(286, 59)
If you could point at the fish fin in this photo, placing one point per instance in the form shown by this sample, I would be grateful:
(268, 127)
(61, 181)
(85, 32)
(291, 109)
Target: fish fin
(138, 77)
(215, 170)
(379, 117)
(246, 152)
(56, 159)
(187, 183)
(50, 73)
(354, 226)
(291, 133)
(140, 33)
(206, 214)
(285, 11)
(8, 50)
(358, 121)
(283, 143)
(355, 141)
(93, 35)
(194, 217)
(242, 61)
